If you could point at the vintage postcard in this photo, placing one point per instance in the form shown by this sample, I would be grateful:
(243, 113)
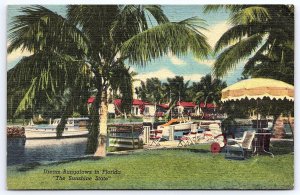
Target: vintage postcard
(150, 97)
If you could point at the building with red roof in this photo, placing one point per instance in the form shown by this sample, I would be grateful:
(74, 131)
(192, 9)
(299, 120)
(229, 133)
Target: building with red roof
(141, 108)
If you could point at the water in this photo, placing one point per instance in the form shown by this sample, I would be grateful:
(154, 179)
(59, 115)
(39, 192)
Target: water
(20, 151)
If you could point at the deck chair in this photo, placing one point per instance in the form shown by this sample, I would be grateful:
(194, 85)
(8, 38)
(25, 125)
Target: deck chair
(156, 138)
(213, 134)
(237, 148)
(185, 140)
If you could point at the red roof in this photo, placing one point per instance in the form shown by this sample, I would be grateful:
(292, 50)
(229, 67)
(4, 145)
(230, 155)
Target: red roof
(137, 102)
(117, 102)
(134, 102)
(208, 105)
(186, 104)
(165, 106)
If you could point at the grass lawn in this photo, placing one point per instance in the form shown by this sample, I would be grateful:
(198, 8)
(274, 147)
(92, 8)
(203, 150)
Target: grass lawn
(186, 168)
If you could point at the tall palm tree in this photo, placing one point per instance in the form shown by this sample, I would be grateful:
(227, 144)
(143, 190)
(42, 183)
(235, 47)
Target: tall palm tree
(99, 37)
(151, 90)
(262, 33)
(208, 90)
(176, 89)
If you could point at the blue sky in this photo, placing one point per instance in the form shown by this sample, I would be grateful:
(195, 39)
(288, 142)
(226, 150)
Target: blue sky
(168, 66)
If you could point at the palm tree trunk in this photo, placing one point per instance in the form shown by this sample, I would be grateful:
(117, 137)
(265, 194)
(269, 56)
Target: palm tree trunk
(92, 142)
(63, 121)
(101, 150)
(61, 125)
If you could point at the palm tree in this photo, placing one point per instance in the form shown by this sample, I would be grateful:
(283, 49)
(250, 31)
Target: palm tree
(100, 38)
(208, 90)
(264, 34)
(122, 87)
(176, 89)
(151, 90)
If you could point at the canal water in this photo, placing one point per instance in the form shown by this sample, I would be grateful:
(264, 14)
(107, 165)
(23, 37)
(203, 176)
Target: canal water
(21, 151)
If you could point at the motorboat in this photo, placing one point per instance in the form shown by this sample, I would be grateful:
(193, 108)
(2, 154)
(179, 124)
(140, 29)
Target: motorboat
(179, 125)
(75, 127)
(73, 124)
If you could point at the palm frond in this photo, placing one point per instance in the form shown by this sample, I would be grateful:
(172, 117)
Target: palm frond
(228, 59)
(257, 58)
(237, 33)
(129, 22)
(253, 14)
(157, 13)
(46, 74)
(95, 22)
(178, 38)
(133, 19)
(38, 28)
(28, 98)
(231, 36)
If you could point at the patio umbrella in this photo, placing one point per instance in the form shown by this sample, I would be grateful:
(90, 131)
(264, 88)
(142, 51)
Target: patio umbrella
(258, 89)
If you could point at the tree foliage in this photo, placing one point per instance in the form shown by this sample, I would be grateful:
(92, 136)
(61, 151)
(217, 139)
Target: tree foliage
(90, 45)
(151, 91)
(263, 35)
(207, 90)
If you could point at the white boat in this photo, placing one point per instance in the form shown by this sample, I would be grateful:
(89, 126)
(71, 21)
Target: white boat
(42, 134)
(73, 124)
(179, 124)
(75, 127)
(183, 125)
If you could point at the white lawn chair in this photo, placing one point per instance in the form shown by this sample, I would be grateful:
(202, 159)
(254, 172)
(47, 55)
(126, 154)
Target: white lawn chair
(236, 148)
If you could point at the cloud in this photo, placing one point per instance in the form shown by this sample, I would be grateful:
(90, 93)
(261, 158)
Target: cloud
(175, 60)
(215, 32)
(161, 74)
(192, 77)
(17, 54)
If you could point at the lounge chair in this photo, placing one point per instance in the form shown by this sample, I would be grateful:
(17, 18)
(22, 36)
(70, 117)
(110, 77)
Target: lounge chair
(237, 148)
(212, 134)
(185, 140)
(155, 139)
